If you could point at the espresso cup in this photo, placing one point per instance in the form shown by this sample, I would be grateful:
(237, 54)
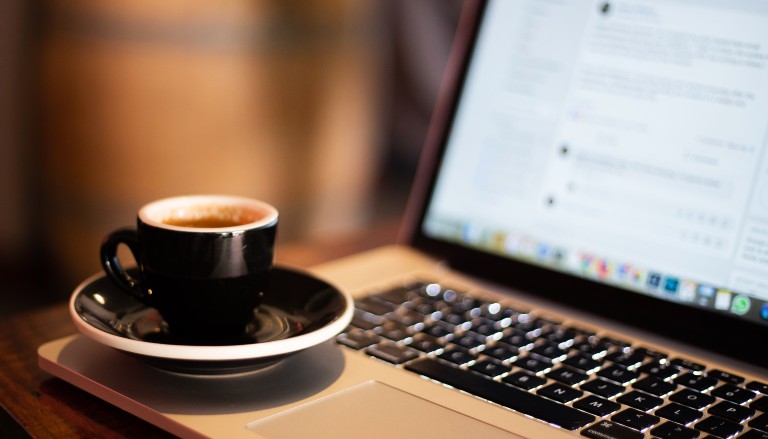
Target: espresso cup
(204, 262)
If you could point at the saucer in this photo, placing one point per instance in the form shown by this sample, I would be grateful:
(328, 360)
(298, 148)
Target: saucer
(299, 311)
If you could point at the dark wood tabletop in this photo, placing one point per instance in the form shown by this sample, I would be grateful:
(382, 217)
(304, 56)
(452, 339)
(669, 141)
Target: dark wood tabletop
(37, 405)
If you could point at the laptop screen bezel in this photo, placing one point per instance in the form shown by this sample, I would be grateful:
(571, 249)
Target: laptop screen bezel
(715, 332)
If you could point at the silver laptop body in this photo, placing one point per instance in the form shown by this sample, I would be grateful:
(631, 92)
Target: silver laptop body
(584, 252)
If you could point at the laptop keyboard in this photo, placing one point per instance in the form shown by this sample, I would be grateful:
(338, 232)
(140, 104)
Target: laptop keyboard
(578, 380)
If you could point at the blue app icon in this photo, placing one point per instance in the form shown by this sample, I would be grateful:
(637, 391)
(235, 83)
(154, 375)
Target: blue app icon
(671, 284)
(764, 311)
(654, 280)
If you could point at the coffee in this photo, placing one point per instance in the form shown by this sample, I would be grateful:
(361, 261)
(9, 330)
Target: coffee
(211, 216)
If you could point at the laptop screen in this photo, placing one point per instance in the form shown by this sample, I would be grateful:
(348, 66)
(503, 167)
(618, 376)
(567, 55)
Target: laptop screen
(622, 142)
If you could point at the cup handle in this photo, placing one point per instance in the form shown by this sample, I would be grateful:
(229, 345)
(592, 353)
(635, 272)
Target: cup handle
(111, 263)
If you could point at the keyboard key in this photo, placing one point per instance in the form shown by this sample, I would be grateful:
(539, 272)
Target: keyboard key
(373, 306)
(596, 405)
(593, 350)
(462, 303)
(610, 430)
(550, 351)
(394, 331)
(532, 364)
(640, 400)
(567, 375)
(485, 327)
(454, 318)
(679, 413)
(760, 404)
(502, 394)
(692, 399)
(531, 328)
(726, 376)
(758, 386)
(734, 394)
(754, 434)
(423, 307)
(635, 419)
(502, 352)
(660, 371)
(517, 339)
(688, 364)
(618, 374)
(670, 430)
(626, 360)
(760, 422)
(696, 382)
(491, 368)
(583, 333)
(409, 318)
(731, 411)
(470, 340)
(583, 362)
(602, 388)
(439, 330)
(651, 353)
(457, 356)
(654, 386)
(718, 427)
(560, 393)
(359, 320)
(563, 336)
(432, 291)
(524, 380)
(497, 313)
(392, 353)
(425, 343)
(357, 339)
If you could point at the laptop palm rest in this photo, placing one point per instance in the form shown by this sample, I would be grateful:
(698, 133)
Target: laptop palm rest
(373, 410)
(303, 396)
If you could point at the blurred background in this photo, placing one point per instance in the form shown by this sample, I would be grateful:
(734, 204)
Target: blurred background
(319, 107)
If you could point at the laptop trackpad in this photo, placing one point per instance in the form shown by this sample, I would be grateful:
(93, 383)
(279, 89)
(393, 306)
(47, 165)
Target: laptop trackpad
(373, 410)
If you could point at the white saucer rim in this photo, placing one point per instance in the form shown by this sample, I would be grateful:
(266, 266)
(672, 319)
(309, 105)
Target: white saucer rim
(213, 353)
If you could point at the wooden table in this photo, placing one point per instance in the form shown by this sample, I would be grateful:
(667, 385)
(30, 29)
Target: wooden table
(38, 405)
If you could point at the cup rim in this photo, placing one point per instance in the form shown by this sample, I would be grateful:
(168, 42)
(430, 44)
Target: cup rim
(149, 213)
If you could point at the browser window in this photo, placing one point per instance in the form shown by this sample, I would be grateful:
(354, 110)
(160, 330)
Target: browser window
(627, 147)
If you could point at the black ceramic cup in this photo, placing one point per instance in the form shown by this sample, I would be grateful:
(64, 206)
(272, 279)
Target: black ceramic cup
(204, 262)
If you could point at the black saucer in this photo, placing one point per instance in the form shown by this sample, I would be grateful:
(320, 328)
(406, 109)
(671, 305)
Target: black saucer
(299, 311)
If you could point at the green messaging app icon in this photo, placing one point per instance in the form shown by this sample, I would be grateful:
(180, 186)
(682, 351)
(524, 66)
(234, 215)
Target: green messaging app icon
(740, 305)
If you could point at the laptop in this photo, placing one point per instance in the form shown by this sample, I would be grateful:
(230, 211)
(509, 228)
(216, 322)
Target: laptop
(585, 251)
